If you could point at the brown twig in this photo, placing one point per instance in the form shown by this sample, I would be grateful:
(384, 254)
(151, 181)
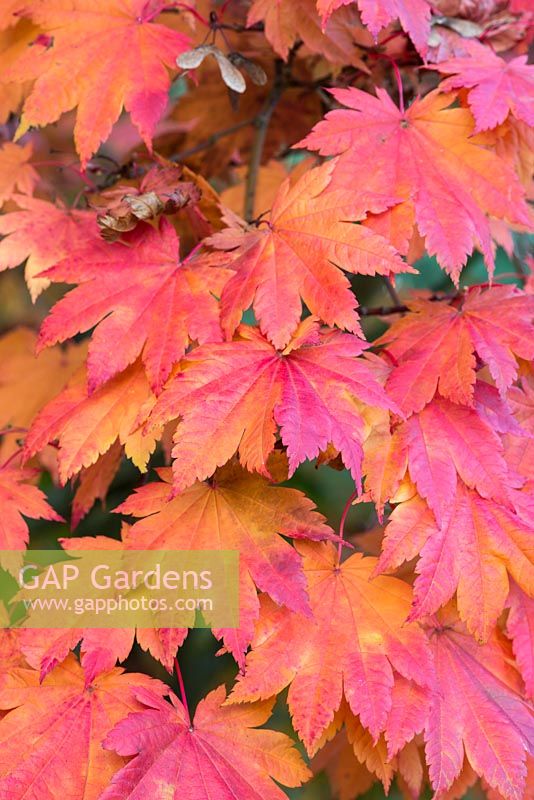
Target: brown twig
(400, 308)
(392, 291)
(211, 140)
(262, 124)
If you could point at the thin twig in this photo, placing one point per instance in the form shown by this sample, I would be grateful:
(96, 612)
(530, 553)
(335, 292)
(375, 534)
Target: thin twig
(392, 291)
(262, 124)
(211, 140)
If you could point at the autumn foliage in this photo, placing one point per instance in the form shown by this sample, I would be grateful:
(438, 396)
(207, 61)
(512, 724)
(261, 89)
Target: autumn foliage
(257, 234)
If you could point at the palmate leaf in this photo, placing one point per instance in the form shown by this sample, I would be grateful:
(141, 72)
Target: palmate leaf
(63, 722)
(219, 754)
(308, 236)
(19, 499)
(478, 709)
(41, 234)
(497, 87)
(142, 300)
(434, 346)
(88, 425)
(427, 160)
(356, 645)
(414, 16)
(105, 55)
(473, 553)
(248, 515)
(234, 395)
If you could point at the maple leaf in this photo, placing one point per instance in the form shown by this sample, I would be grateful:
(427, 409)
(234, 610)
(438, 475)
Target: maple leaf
(95, 482)
(348, 778)
(101, 648)
(63, 714)
(45, 648)
(520, 628)
(298, 255)
(472, 553)
(19, 499)
(446, 442)
(220, 753)
(87, 426)
(16, 173)
(434, 346)
(414, 16)
(42, 233)
(13, 42)
(426, 159)
(104, 56)
(478, 709)
(287, 21)
(497, 87)
(357, 645)
(142, 299)
(248, 514)
(234, 395)
(28, 383)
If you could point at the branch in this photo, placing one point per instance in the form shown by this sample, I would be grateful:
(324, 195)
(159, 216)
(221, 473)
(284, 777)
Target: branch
(400, 308)
(392, 291)
(262, 124)
(211, 140)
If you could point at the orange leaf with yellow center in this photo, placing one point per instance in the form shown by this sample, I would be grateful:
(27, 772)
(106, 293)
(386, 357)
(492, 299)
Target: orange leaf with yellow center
(240, 511)
(63, 723)
(357, 645)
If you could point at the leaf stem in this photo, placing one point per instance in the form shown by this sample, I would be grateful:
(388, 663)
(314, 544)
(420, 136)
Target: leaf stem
(346, 510)
(11, 458)
(183, 695)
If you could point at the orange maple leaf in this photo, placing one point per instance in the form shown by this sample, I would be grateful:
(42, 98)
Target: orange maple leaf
(63, 713)
(87, 426)
(16, 171)
(357, 645)
(41, 234)
(104, 55)
(19, 499)
(249, 514)
(308, 236)
(219, 754)
(141, 298)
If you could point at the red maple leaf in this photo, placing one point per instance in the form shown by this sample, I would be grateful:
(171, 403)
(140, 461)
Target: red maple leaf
(218, 754)
(426, 159)
(497, 87)
(233, 396)
(141, 298)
